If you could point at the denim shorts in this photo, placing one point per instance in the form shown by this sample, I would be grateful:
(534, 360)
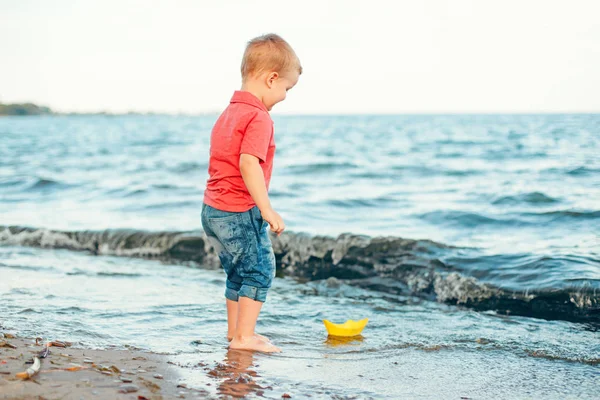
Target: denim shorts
(242, 242)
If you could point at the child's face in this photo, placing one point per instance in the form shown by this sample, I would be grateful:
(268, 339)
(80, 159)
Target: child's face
(278, 85)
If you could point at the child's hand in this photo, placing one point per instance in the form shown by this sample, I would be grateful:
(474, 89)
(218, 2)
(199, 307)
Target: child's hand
(274, 220)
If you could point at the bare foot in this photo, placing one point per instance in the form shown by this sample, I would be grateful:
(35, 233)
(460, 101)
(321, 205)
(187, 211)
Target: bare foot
(253, 343)
(261, 337)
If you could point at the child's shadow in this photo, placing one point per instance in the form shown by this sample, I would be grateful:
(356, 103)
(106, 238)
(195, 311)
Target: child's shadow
(236, 377)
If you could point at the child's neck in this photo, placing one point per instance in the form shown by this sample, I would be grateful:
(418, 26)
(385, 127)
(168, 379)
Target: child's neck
(253, 88)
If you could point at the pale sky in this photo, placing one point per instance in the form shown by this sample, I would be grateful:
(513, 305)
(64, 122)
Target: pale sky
(365, 56)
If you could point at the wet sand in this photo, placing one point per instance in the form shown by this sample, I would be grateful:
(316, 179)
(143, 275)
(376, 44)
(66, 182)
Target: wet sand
(76, 373)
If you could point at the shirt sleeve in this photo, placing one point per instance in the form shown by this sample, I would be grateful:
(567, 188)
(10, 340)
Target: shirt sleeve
(257, 137)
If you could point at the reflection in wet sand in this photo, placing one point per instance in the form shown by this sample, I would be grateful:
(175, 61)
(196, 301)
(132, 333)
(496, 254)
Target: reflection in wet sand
(236, 378)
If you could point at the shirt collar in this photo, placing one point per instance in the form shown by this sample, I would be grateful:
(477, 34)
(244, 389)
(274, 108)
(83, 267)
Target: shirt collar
(240, 96)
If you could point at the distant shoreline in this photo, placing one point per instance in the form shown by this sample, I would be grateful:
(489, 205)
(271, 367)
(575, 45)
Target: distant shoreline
(30, 109)
(24, 109)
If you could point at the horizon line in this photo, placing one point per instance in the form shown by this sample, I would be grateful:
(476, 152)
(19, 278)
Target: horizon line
(302, 114)
(54, 112)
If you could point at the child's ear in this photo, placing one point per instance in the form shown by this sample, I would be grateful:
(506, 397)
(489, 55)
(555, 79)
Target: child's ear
(272, 77)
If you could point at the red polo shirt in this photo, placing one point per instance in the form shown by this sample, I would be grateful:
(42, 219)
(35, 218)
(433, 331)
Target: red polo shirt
(244, 127)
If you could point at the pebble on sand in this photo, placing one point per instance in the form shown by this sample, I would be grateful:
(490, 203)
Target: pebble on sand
(128, 388)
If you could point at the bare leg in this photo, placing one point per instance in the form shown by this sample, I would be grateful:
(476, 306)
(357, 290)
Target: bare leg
(232, 316)
(244, 337)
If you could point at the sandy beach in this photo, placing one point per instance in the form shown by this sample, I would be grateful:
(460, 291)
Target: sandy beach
(76, 373)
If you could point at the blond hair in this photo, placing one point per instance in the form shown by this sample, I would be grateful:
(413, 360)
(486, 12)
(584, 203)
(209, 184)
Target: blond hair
(268, 52)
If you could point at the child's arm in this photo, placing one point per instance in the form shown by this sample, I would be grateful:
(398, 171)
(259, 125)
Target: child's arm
(254, 179)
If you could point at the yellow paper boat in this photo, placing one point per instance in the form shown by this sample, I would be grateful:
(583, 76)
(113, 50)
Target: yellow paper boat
(348, 328)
